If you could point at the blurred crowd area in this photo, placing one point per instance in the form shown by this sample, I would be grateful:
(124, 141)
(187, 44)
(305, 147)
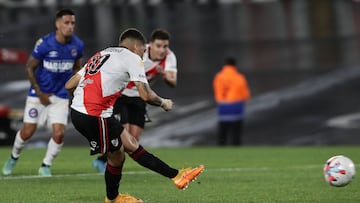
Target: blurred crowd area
(292, 37)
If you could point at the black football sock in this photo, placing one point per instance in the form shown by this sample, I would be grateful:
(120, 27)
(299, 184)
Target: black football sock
(153, 163)
(112, 181)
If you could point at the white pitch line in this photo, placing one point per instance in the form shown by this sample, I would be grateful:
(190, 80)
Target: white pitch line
(149, 172)
(67, 175)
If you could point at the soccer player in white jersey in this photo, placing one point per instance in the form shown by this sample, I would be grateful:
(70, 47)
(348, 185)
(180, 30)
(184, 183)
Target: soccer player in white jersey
(53, 61)
(159, 63)
(95, 89)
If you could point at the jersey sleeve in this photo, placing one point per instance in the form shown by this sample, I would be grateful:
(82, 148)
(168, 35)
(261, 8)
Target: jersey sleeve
(170, 64)
(136, 70)
(39, 50)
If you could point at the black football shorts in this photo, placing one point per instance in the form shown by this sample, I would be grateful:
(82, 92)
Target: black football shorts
(131, 110)
(103, 134)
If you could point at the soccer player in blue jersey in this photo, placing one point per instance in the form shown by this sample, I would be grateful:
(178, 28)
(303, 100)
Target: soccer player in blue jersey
(54, 59)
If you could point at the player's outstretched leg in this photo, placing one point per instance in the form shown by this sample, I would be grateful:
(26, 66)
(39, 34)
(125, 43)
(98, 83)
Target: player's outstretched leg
(187, 175)
(181, 177)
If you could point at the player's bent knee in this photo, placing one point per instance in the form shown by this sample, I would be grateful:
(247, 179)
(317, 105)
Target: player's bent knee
(129, 142)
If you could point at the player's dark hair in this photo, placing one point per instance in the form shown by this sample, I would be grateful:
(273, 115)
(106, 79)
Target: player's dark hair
(64, 12)
(132, 33)
(160, 34)
(230, 61)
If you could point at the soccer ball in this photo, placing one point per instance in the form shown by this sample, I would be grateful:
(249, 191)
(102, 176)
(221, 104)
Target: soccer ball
(339, 171)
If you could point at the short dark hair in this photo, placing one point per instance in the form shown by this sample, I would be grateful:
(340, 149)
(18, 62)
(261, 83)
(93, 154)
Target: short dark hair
(132, 33)
(160, 34)
(230, 61)
(64, 12)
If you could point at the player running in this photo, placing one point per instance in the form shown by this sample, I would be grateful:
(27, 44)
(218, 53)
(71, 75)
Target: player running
(52, 62)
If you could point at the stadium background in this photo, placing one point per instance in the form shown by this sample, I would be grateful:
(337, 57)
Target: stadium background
(301, 58)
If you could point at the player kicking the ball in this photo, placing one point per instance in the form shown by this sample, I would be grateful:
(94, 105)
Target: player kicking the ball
(159, 63)
(95, 88)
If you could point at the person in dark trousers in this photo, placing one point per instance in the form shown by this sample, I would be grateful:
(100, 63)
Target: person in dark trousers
(231, 92)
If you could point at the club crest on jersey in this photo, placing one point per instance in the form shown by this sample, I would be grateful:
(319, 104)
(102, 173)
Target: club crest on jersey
(73, 52)
(33, 113)
(115, 142)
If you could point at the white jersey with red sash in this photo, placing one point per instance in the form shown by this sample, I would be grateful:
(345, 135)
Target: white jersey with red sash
(153, 69)
(104, 77)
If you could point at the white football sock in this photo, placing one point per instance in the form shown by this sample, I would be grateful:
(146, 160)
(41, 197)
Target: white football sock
(53, 149)
(18, 145)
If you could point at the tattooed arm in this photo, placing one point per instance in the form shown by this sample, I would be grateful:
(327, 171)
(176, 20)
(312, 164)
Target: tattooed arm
(150, 97)
(31, 66)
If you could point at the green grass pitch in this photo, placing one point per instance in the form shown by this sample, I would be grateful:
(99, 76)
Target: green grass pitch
(234, 175)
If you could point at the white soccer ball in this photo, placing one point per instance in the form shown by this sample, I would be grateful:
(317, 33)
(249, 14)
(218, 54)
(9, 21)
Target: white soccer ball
(339, 171)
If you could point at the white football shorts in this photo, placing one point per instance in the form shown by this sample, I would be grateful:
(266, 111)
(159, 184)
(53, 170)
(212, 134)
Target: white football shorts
(56, 112)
